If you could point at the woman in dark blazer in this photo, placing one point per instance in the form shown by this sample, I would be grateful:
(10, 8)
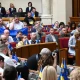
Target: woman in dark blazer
(29, 8)
(12, 9)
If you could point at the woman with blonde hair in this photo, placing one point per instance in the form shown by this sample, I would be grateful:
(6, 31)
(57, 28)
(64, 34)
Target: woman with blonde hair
(75, 74)
(49, 73)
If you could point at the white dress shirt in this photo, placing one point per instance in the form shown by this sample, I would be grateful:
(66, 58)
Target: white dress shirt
(17, 26)
(7, 61)
(10, 39)
(29, 8)
(54, 40)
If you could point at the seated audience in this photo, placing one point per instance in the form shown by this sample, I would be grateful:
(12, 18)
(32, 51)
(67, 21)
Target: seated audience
(2, 11)
(16, 24)
(2, 25)
(75, 74)
(76, 30)
(23, 42)
(11, 62)
(64, 32)
(49, 73)
(20, 13)
(25, 25)
(34, 13)
(8, 14)
(51, 37)
(68, 28)
(4, 39)
(7, 60)
(1, 65)
(72, 26)
(12, 9)
(40, 34)
(72, 43)
(29, 8)
(20, 10)
(19, 36)
(33, 39)
(61, 25)
(29, 20)
(37, 26)
(56, 26)
(9, 38)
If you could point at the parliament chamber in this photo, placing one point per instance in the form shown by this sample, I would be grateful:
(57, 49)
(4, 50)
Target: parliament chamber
(40, 35)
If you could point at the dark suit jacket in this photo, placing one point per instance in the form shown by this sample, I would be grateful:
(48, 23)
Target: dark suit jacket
(36, 14)
(27, 9)
(32, 61)
(27, 20)
(49, 38)
(3, 11)
(14, 10)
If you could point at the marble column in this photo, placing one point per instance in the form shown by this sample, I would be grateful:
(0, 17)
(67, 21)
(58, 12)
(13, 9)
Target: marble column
(62, 10)
(46, 12)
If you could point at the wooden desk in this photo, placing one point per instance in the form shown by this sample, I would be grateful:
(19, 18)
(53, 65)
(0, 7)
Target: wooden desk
(33, 49)
(75, 19)
(28, 50)
(24, 52)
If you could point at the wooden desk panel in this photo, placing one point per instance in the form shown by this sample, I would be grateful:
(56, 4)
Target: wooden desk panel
(20, 18)
(77, 53)
(50, 45)
(17, 51)
(25, 52)
(33, 49)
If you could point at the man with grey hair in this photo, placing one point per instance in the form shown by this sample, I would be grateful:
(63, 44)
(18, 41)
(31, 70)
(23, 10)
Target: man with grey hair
(7, 60)
(32, 62)
(7, 34)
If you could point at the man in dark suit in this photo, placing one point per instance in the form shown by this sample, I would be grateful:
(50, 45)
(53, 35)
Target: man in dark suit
(51, 37)
(29, 8)
(34, 13)
(2, 11)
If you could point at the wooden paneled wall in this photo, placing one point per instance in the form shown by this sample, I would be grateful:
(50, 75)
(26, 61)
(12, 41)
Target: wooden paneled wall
(76, 8)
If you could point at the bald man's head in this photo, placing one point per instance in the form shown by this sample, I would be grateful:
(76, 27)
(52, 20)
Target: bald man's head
(3, 38)
(6, 33)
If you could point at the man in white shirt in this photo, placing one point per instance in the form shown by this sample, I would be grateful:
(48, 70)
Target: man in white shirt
(7, 60)
(9, 38)
(16, 24)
